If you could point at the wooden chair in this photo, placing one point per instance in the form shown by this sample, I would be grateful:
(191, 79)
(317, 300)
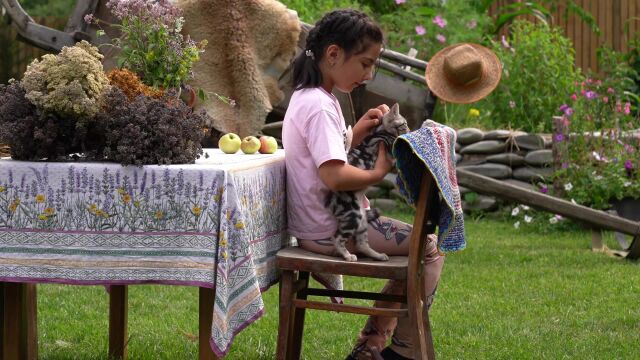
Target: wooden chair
(296, 264)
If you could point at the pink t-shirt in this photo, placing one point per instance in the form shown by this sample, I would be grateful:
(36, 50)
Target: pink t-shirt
(313, 132)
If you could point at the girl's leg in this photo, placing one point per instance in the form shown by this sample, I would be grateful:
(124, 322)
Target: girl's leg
(392, 237)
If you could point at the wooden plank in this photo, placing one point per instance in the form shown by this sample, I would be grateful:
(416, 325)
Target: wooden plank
(602, 18)
(593, 61)
(586, 35)
(624, 15)
(596, 218)
(577, 37)
(118, 314)
(609, 24)
(571, 34)
(616, 24)
(205, 318)
(631, 23)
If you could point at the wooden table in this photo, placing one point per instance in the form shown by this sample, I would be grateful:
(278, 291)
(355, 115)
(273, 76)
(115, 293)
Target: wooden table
(215, 224)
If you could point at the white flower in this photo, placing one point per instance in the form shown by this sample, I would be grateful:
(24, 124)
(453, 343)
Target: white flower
(553, 220)
(527, 219)
(516, 225)
(515, 211)
(599, 177)
(627, 183)
(525, 207)
(568, 186)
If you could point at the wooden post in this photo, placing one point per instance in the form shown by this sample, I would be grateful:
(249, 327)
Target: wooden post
(118, 313)
(1, 320)
(559, 149)
(205, 316)
(19, 340)
(597, 245)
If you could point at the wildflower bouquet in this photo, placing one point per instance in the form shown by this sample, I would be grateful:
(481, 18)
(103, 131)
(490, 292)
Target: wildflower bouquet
(602, 150)
(151, 44)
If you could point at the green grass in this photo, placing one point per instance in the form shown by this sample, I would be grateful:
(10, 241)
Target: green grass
(513, 294)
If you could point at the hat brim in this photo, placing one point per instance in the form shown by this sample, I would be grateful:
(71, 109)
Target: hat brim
(459, 94)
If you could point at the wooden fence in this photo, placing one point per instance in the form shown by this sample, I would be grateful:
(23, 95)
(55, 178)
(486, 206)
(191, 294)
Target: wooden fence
(16, 55)
(611, 16)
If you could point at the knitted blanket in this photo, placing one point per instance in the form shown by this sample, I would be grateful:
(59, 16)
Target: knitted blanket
(431, 148)
(250, 44)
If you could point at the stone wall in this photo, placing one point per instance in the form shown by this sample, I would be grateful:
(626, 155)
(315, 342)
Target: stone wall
(512, 156)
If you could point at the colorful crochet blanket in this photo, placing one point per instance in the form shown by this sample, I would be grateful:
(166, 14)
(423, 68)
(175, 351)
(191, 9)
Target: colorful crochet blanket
(431, 148)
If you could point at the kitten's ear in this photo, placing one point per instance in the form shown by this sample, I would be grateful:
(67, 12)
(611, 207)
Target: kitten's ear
(395, 109)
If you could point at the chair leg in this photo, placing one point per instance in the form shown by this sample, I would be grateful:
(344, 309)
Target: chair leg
(295, 343)
(421, 335)
(431, 353)
(286, 311)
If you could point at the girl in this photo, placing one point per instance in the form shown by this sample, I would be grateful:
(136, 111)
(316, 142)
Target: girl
(340, 53)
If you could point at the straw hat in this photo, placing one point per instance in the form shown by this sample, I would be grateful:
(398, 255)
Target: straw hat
(463, 73)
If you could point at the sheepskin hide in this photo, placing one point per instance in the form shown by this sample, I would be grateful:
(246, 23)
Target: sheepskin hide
(250, 44)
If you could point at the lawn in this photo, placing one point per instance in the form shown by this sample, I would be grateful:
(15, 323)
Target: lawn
(512, 294)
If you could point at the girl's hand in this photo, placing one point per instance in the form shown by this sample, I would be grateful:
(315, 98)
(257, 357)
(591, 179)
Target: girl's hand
(367, 123)
(384, 164)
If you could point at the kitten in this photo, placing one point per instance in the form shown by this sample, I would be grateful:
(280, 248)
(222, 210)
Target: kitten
(347, 205)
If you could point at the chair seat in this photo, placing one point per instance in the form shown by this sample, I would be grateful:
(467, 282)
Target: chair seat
(297, 259)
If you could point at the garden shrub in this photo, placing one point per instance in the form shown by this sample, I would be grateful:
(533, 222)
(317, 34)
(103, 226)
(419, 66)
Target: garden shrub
(538, 71)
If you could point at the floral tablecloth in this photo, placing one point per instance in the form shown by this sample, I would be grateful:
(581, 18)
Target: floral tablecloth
(217, 223)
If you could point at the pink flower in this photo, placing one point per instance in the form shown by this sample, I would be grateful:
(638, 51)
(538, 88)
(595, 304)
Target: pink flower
(618, 106)
(627, 108)
(590, 95)
(89, 18)
(420, 30)
(605, 99)
(568, 112)
(504, 42)
(563, 107)
(438, 20)
(574, 97)
(472, 24)
(398, 2)
(441, 38)
(599, 82)
(610, 90)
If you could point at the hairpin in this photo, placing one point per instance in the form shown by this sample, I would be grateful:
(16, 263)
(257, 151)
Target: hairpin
(309, 53)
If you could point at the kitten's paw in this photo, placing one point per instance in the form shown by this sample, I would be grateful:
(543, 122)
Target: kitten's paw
(382, 257)
(351, 258)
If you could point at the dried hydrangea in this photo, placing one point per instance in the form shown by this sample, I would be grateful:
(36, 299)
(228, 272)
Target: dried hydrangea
(130, 84)
(31, 133)
(70, 84)
(150, 131)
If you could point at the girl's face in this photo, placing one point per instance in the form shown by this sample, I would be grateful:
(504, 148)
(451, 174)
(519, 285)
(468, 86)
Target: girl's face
(346, 74)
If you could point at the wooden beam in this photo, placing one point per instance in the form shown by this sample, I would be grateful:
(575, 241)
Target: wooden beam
(596, 218)
(19, 341)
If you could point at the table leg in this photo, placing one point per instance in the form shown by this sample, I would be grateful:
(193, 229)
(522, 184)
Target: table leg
(205, 315)
(1, 320)
(19, 321)
(118, 322)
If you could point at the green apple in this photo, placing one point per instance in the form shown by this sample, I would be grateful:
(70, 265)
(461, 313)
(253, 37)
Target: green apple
(250, 145)
(229, 143)
(268, 145)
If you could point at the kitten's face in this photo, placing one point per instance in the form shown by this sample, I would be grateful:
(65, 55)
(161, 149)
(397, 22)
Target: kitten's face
(394, 123)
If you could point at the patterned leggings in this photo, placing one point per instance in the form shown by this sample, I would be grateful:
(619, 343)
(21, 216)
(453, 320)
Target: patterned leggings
(391, 237)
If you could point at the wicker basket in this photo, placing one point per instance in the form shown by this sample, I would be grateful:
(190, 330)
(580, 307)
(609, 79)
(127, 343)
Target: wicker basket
(4, 150)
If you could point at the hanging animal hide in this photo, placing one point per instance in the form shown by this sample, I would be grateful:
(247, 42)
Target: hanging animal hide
(250, 44)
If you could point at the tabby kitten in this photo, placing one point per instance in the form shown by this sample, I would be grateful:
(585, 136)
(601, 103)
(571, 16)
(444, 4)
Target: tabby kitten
(347, 207)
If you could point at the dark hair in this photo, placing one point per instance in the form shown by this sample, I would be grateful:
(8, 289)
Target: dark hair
(350, 29)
